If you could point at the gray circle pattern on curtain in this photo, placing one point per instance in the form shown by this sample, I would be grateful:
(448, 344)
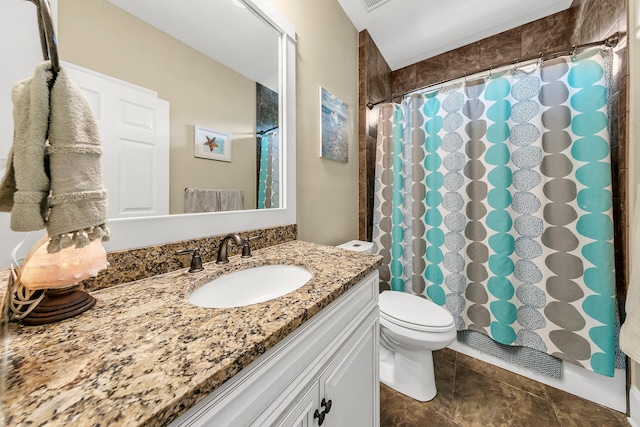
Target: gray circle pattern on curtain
(504, 214)
(527, 205)
(453, 205)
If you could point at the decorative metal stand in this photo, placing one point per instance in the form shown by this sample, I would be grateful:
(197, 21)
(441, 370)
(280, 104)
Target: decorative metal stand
(59, 304)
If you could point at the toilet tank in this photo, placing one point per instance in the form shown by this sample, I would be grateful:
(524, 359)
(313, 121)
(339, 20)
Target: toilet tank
(358, 246)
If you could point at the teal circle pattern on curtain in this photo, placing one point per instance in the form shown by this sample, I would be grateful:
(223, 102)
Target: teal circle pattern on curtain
(596, 224)
(433, 218)
(493, 198)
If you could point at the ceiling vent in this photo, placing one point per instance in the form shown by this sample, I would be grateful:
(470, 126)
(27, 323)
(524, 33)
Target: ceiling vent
(369, 5)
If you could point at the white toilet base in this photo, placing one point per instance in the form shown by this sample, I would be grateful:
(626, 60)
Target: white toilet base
(410, 373)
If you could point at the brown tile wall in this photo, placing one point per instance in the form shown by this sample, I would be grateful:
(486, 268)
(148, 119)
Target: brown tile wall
(585, 21)
(375, 86)
(135, 264)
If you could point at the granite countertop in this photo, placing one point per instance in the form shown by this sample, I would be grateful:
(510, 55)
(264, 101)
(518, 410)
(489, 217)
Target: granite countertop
(144, 355)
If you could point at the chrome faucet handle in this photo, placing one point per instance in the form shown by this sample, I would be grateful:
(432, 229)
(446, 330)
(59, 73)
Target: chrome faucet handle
(196, 261)
(246, 249)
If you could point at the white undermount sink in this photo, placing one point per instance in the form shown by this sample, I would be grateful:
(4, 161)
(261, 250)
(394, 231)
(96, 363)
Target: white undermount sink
(250, 286)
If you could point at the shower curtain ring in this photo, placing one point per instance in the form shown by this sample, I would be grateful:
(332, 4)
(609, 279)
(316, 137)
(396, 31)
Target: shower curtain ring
(541, 60)
(490, 70)
(573, 53)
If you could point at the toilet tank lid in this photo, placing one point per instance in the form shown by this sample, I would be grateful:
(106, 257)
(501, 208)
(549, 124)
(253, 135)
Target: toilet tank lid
(414, 309)
(358, 246)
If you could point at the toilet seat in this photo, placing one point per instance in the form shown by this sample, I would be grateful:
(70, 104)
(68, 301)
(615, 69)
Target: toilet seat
(414, 312)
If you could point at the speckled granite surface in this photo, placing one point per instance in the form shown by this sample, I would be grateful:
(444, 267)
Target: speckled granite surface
(140, 263)
(144, 355)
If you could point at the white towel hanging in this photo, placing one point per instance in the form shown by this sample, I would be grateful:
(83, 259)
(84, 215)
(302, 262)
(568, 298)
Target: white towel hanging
(212, 200)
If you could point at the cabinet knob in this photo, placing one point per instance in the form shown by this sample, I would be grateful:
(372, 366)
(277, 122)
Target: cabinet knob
(320, 416)
(326, 404)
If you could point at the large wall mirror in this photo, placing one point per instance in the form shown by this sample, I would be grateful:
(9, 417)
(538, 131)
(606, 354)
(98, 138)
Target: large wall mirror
(196, 105)
(208, 69)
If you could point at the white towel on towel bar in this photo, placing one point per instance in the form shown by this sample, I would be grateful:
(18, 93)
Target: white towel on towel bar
(211, 200)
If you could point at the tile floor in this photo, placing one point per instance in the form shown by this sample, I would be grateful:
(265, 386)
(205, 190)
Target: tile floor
(475, 393)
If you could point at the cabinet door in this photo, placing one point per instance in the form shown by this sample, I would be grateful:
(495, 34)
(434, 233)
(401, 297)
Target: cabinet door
(302, 413)
(351, 380)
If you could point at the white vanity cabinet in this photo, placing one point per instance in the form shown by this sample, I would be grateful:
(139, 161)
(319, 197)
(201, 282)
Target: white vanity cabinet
(345, 392)
(327, 370)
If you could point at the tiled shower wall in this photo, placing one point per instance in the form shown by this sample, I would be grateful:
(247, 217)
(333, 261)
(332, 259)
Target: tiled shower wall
(375, 86)
(585, 21)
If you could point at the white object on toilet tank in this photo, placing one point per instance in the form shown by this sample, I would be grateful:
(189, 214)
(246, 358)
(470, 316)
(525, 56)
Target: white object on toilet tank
(358, 246)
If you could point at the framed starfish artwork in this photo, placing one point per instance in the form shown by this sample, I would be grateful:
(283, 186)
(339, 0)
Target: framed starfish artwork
(212, 144)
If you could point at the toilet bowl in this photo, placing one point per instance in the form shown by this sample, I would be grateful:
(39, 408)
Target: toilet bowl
(411, 328)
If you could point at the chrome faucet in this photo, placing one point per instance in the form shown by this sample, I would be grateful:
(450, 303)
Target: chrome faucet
(223, 258)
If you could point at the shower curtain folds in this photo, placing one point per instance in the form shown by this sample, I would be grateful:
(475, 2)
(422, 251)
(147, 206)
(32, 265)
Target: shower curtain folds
(268, 194)
(493, 199)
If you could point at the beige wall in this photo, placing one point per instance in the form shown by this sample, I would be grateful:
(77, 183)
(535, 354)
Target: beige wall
(327, 56)
(200, 91)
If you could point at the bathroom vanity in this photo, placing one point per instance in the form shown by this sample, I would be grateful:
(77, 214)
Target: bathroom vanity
(146, 356)
(326, 369)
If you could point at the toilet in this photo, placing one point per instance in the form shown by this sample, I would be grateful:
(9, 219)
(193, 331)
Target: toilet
(411, 328)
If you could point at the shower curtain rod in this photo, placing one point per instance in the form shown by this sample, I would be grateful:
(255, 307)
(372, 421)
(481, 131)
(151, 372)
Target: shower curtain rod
(262, 132)
(610, 42)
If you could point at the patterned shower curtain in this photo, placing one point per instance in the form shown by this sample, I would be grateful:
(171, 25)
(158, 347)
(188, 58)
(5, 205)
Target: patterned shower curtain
(493, 199)
(269, 172)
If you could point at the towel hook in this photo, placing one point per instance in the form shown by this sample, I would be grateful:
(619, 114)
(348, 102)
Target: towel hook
(47, 34)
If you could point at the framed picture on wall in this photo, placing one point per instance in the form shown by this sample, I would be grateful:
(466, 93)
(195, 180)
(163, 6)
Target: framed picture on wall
(212, 144)
(334, 132)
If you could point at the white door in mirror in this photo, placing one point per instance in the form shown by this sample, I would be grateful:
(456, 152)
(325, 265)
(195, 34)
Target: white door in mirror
(250, 286)
(134, 128)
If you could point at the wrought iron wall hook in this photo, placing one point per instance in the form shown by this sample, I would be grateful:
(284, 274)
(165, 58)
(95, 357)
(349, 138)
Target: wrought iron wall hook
(48, 39)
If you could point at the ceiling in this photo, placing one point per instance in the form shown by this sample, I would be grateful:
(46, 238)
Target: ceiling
(408, 31)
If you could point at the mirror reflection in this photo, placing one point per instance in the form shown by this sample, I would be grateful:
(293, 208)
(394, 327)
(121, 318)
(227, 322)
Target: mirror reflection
(186, 97)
